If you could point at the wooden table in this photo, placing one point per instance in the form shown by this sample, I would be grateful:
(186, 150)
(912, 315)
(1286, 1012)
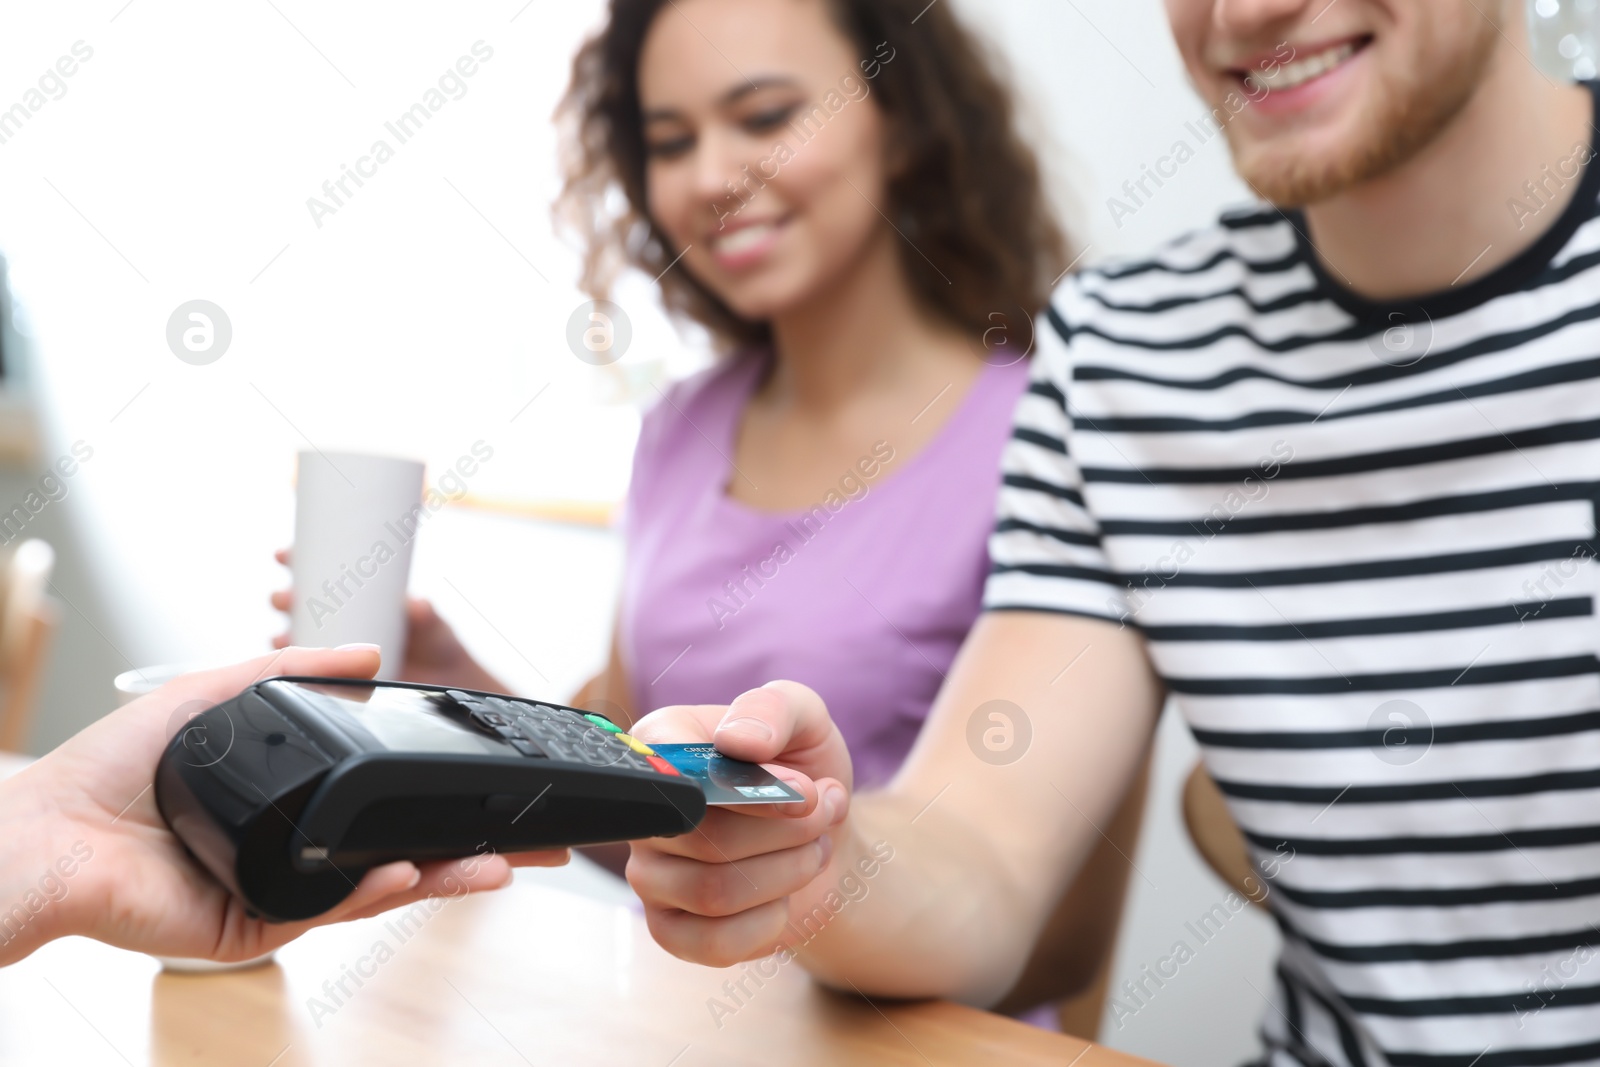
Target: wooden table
(529, 975)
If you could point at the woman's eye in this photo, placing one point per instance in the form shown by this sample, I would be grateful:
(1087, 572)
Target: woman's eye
(668, 148)
(770, 119)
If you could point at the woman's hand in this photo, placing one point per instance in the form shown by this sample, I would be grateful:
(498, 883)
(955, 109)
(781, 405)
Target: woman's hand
(83, 849)
(434, 655)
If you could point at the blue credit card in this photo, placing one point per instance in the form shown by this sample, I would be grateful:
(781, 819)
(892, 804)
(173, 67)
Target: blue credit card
(726, 781)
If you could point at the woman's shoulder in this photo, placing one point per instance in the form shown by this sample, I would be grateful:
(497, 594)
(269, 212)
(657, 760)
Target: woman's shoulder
(995, 394)
(697, 407)
(722, 385)
(1010, 379)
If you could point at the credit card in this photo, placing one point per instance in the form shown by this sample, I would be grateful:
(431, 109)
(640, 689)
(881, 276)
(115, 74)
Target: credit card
(727, 782)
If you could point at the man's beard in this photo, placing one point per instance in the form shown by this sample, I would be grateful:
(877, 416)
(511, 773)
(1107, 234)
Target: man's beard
(1412, 106)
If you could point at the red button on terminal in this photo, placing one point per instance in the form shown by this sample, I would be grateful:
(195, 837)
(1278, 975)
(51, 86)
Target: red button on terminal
(661, 765)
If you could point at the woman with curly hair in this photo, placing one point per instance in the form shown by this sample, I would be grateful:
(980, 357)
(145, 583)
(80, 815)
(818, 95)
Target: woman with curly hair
(836, 191)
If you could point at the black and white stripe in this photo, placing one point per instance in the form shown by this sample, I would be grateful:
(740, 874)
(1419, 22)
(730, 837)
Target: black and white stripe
(1369, 584)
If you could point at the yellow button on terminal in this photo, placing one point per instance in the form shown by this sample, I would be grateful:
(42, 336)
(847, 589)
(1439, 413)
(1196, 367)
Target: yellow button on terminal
(635, 744)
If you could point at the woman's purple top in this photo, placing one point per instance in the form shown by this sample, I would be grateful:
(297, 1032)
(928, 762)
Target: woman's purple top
(865, 597)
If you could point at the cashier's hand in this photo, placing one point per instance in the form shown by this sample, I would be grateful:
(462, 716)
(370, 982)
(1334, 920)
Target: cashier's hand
(83, 849)
(720, 894)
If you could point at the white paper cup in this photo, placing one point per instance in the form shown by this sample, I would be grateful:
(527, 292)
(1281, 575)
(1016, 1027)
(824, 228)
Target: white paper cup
(355, 520)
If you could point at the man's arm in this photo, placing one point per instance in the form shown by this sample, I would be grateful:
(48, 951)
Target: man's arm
(938, 884)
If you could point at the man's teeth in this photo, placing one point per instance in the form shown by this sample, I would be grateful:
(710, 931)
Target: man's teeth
(1300, 71)
(744, 240)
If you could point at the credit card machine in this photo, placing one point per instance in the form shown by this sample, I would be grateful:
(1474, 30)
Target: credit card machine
(294, 789)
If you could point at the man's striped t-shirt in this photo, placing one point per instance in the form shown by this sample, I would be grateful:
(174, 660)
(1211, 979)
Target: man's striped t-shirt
(1359, 543)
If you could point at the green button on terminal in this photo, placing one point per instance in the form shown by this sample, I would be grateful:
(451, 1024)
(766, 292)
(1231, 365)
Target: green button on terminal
(604, 723)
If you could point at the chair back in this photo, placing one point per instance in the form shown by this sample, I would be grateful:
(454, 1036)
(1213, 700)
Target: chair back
(27, 624)
(1215, 835)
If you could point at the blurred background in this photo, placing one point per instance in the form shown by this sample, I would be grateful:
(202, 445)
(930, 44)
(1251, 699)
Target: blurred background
(427, 312)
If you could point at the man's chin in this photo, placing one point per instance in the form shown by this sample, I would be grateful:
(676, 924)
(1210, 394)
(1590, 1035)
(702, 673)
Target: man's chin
(1292, 178)
(1297, 171)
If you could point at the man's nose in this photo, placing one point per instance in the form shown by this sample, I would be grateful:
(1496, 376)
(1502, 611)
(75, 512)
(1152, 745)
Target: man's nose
(1245, 18)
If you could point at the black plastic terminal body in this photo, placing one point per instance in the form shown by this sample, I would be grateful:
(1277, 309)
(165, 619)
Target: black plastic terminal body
(288, 805)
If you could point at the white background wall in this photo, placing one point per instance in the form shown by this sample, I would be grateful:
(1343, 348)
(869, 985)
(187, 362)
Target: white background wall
(177, 166)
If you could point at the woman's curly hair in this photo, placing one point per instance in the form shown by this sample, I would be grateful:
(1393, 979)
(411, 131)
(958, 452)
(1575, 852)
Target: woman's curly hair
(981, 242)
